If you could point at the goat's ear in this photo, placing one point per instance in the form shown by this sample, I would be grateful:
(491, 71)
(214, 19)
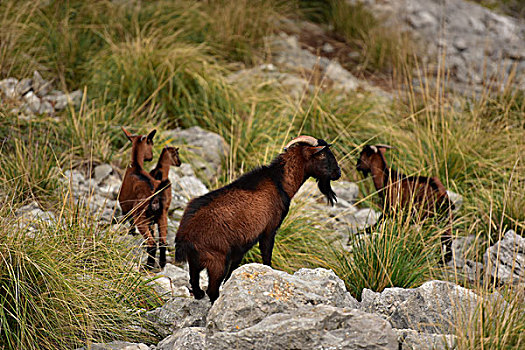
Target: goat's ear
(151, 134)
(310, 151)
(128, 134)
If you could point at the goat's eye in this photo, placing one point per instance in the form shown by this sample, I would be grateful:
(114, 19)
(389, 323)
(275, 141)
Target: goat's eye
(322, 155)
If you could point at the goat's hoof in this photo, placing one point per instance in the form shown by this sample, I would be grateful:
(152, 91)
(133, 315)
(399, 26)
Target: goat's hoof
(198, 294)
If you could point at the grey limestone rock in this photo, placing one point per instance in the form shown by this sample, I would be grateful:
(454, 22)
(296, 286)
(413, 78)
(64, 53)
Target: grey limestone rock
(117, 345)
(209, 148)
(256, 291)
(191, 338)
(409, 339)
(431, 308)
(505, 260)
(184, 186)
(177, 313)
(311, 327)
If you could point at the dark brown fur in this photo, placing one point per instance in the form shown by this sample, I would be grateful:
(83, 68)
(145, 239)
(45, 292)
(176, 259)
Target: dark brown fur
(426, 195)
(218, 228)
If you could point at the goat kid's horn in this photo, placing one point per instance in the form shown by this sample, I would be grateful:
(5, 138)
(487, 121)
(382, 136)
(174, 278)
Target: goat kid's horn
(312, 141)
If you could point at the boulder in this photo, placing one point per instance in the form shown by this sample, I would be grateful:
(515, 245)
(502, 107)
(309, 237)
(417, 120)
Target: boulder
(173, 281)
(311, 327)
(431, 308)
(191, 338)
(289, 54)
(256, 291)
(117, 345)
(409, 339)
(177, 313)
(184, 186)
(209, 149)
(505, 260)
(102, 171)
(479, 42)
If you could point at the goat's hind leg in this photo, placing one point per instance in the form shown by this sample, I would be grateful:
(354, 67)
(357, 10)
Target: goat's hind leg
(195, 269)
(216, 271)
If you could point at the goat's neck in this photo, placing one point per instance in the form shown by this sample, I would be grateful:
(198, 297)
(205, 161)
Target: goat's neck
(163, 165)
(294, 175)
(137, 158)
(380, 173)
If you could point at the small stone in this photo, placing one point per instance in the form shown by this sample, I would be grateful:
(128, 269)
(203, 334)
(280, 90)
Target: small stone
(102, 171)
(32, 101)
(8, 87)
(328, 48)
(41, 86)
(76, 97)
(57, 99)
(505, 260)
(24, 86)
(460, 44)
(46, 108)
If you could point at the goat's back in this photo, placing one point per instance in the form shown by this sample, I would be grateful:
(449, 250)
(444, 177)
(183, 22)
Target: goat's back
(135, 191)
(231, 217)
(426, 194)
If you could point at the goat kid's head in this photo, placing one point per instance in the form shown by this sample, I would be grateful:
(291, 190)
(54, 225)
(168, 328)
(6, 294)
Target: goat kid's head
(320, 163)
(368, 154)
(173, 155)
(144, 143)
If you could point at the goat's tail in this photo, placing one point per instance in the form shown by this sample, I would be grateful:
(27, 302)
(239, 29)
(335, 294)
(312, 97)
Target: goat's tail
(183, 249)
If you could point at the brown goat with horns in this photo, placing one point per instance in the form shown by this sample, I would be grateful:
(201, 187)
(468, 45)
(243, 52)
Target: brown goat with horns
(425, 194)
(218, 228)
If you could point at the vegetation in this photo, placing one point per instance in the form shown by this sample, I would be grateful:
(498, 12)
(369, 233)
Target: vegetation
(164, 64)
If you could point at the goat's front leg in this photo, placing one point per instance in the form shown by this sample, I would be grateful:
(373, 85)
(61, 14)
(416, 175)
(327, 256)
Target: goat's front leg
(266, 243)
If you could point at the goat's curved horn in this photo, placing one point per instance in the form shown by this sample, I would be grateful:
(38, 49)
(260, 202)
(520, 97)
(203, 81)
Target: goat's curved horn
(303, 138)
(384, 146)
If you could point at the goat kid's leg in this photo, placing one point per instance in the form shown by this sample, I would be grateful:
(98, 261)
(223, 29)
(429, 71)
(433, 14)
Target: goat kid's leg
(216, 272)
(195, 270)
(132, 231)
(163, 232)
(151, 245)
(266, 243)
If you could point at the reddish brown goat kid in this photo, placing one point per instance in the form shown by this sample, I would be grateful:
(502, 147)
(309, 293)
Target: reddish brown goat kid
(169, 157)
(218, 228)
(137, 192)
(427, 195)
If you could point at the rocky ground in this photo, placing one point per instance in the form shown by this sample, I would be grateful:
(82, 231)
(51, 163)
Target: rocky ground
(262, 308)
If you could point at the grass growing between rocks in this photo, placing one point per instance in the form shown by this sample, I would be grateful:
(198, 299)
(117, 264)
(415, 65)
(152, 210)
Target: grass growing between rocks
(68, 283)
(164, 64)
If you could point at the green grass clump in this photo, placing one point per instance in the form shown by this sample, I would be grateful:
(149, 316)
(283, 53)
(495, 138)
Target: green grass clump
(178, 84)
(398, 254)
(67, 284)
